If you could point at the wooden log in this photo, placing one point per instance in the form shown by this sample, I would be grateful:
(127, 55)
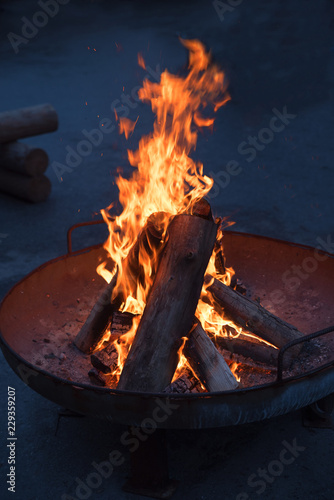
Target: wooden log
(170, 306)
(32, 189)
(148, 243)
(97, 378)
(105, 360)
(253, 317)
(96, 324)
(219, 250)
(184, 384)
(21, 158)
(27, 122)
(120, 324)
(257, 351)
(207, 362)
(219, 259)
(201, 208)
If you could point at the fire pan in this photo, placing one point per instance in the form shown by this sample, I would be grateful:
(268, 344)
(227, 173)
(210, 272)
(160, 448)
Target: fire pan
(266, 266)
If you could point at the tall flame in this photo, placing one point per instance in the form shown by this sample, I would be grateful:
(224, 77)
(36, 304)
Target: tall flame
(166, 179)
(166, 182)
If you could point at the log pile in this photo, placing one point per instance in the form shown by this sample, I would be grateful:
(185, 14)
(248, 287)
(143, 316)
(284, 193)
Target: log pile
(22, 167)
(168, 325)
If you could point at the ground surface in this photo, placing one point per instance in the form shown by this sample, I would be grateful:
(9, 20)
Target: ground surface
(276, 55)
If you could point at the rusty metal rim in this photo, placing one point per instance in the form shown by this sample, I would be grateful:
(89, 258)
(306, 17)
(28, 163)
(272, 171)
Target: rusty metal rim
(210, 410)
(204, 395)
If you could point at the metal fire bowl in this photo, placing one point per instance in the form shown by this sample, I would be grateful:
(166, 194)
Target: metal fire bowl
(266, 267)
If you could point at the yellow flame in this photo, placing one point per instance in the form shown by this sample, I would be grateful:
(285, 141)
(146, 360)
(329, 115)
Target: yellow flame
(234, 368)
(105, 273)
(166, 179)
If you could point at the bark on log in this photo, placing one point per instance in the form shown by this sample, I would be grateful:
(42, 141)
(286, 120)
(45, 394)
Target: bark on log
(253, 317)
(207, 362)
(21, 158)
(170, 306)
(106, 360)
(120, 324)
(27, 122)
(184, 384)
(257, 351)
(219, 259)
(97, 378)
(201, 208)
(32, 189)
(94, 329)
(97, 322)
(148, 244)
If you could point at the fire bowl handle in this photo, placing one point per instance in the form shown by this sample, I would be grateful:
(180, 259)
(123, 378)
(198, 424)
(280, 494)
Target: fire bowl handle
(283, 349)
(80, 224)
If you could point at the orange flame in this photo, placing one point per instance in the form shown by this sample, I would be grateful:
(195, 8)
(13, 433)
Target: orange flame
(141, 61)
(123, 346)
(127, 126)
(166, 179)
(234, 367)
(166, 182)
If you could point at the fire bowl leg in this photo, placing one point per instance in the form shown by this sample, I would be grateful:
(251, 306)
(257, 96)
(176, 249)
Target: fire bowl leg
(149, 468)
(319, 414)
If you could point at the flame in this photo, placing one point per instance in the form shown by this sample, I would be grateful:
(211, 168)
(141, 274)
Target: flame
(105, 273)
(141, 61)
(127, 126)
(212, 319)
(123, 346)
(166, 180)
(234, 368)
(182, 363)
(215, 322)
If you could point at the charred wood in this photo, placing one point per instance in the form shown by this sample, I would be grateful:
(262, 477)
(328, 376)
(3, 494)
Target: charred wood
(170, 306)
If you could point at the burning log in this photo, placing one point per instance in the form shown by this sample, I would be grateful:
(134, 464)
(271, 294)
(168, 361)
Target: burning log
(184, 384)
(121, 323)
(150, 242)
(32, 189)
(170, 306)
(21, 158)
(98, 320)
(219, 259)
(106, 360)
(257, 351)
(27, 122)
(219, 253)
(207, 362)
(202, 208)
(97, 377)
(253, 317)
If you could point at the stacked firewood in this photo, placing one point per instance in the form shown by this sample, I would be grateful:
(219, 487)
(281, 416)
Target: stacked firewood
(22, 167)
(168, 323)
